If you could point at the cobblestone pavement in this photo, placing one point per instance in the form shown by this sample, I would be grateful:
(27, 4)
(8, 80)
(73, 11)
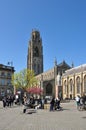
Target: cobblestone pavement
(68, 119)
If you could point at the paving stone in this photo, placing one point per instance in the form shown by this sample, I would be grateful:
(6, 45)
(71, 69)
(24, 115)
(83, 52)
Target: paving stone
(69, 119)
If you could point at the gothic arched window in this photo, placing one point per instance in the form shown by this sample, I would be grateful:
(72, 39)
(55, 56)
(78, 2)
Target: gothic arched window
(85, 83)
(36, 52)
(71, 85)
(78, 84)
(38, 68)
(35, 67)
(65, 87)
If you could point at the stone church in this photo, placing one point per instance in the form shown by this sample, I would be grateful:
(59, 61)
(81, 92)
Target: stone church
(51, 80)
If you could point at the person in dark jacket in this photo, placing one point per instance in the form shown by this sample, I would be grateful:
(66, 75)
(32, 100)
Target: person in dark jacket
(4, 102)
(52, 103)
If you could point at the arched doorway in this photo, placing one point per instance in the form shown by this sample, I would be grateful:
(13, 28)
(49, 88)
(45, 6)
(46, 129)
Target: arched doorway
(49, 89)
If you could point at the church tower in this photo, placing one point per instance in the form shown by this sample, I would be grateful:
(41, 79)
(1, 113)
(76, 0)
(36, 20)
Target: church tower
(35, 53)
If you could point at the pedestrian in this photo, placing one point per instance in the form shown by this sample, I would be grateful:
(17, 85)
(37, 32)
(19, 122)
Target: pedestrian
(4, 102)
(52, 104)
(42, 103)
(57, 104)
(77, 100)
(24, 104)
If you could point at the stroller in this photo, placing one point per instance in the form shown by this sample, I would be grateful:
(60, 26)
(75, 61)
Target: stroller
(82, 104)
(57, 104)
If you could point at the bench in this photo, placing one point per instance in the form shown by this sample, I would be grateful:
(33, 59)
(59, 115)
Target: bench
(28, 109)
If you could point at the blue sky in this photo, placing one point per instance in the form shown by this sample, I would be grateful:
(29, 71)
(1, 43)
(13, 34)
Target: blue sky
(62, 26)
